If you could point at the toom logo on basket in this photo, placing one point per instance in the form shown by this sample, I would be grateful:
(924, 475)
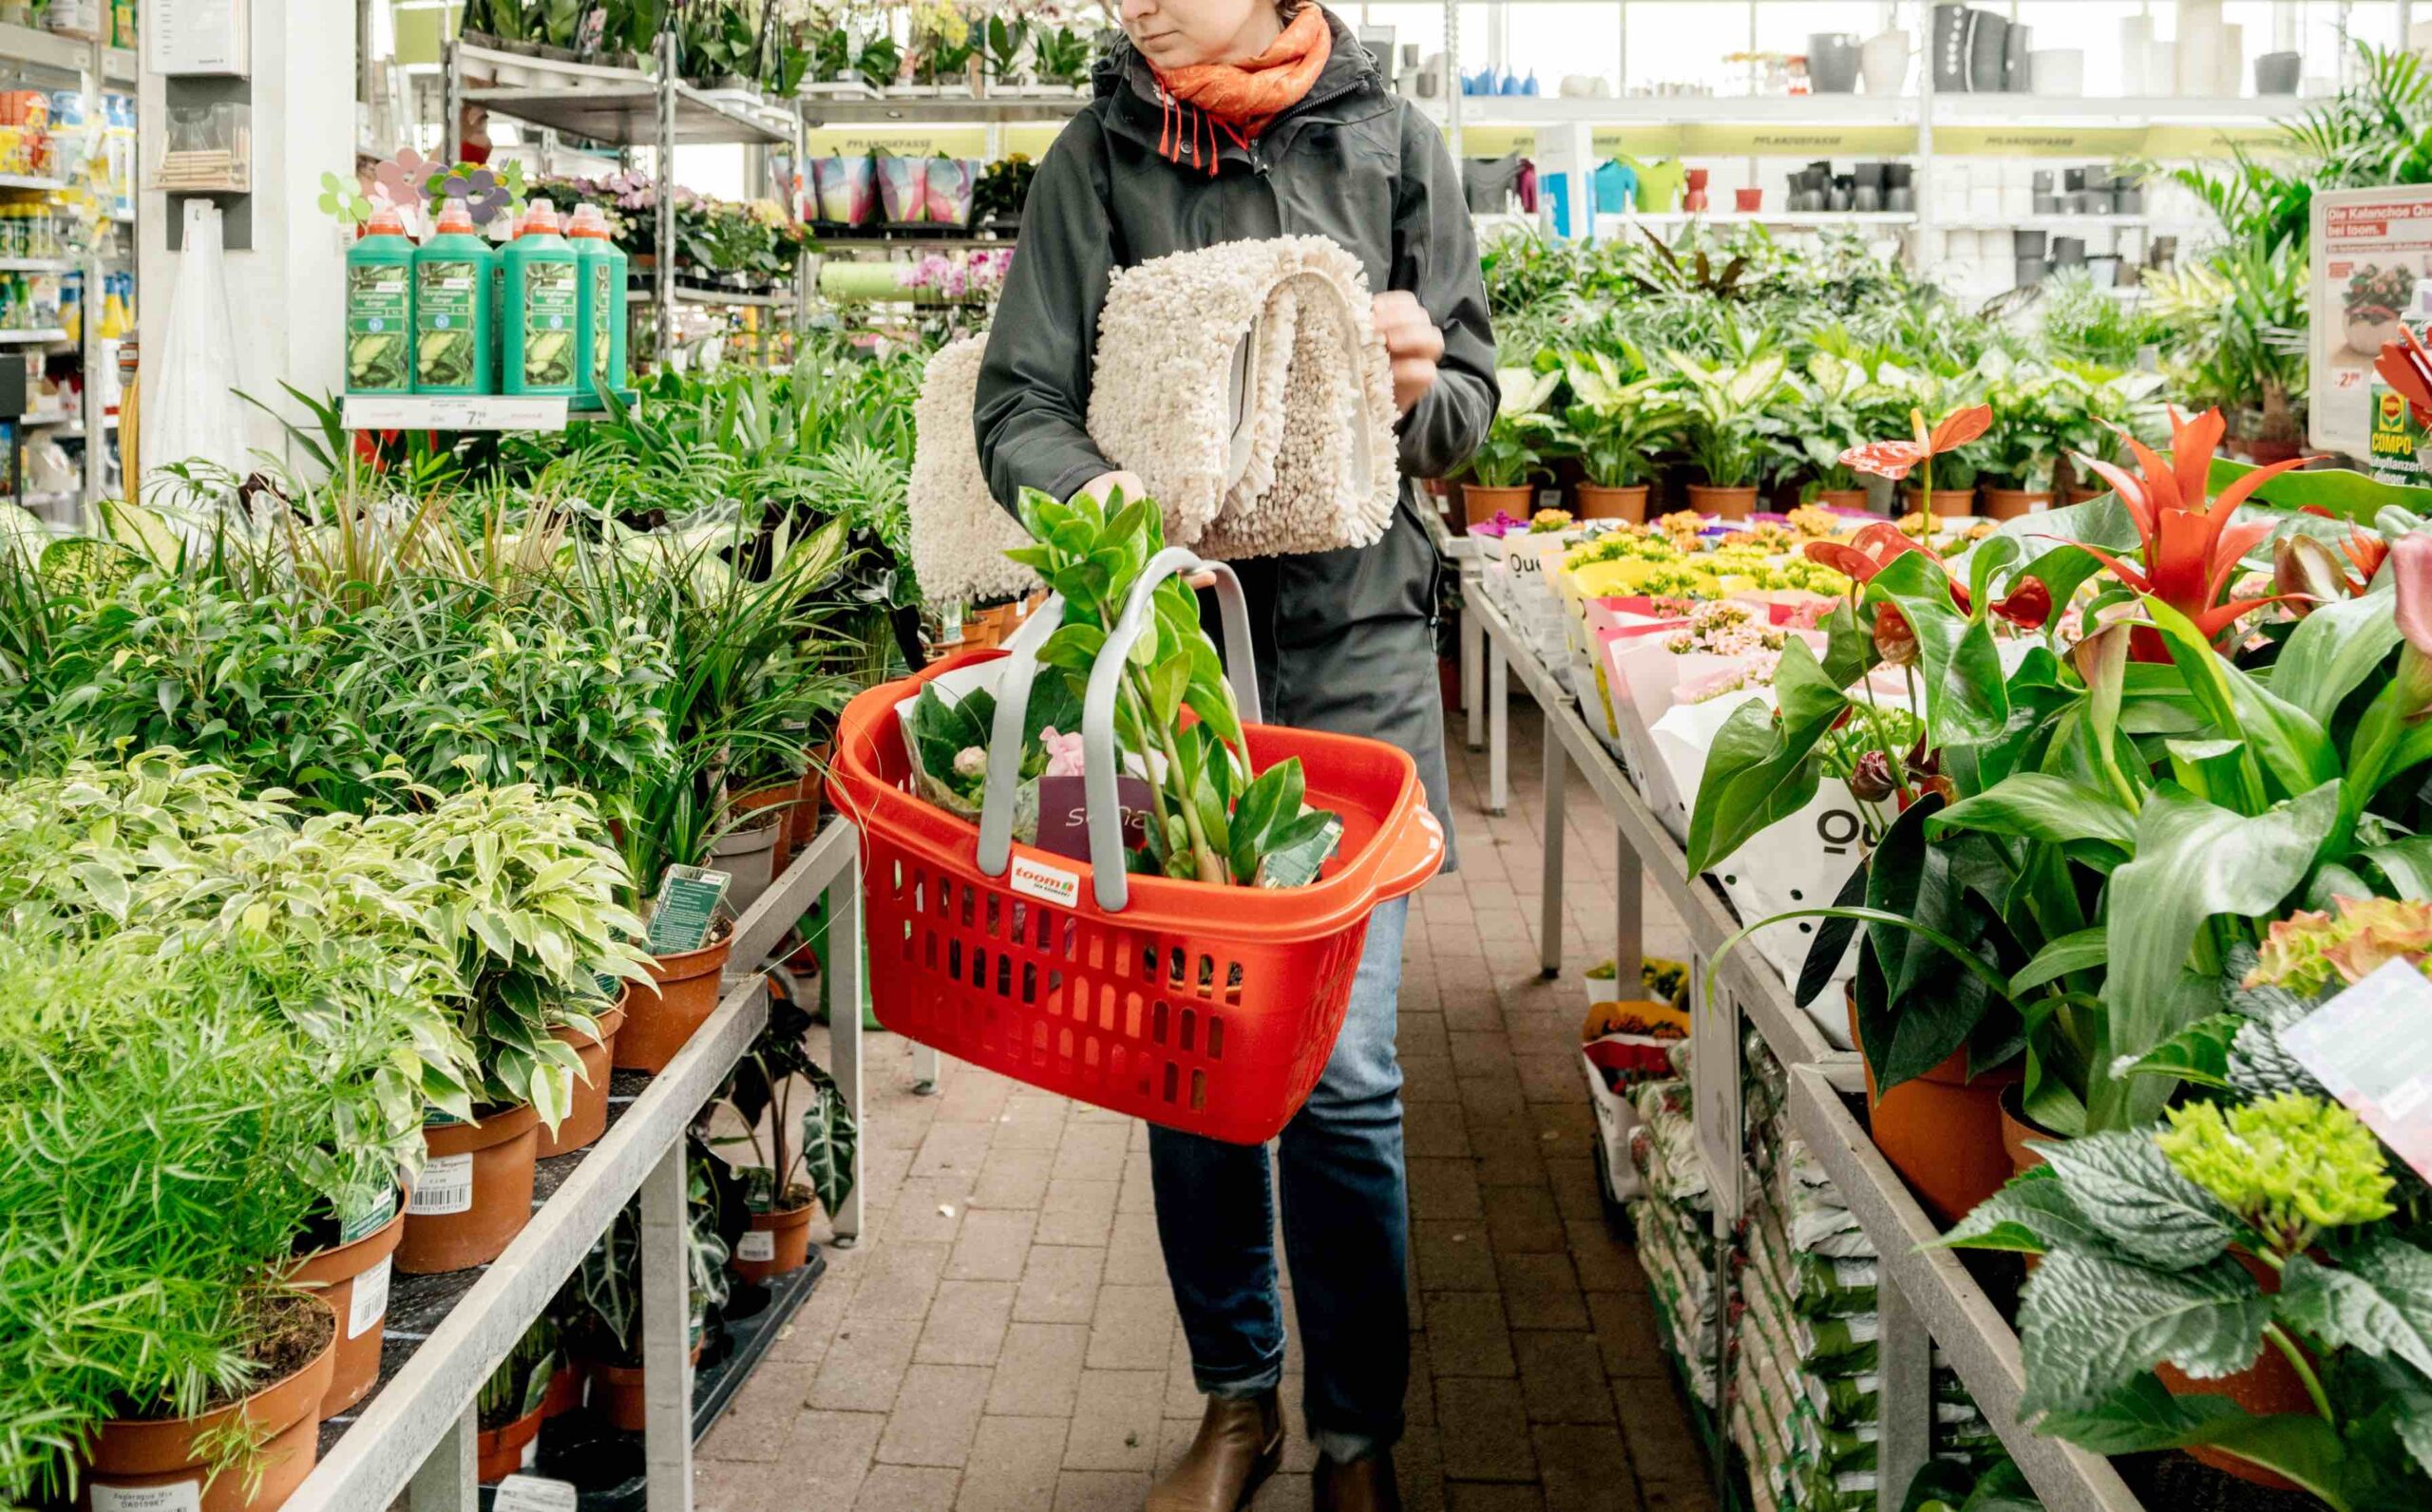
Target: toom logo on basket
(1050, 884)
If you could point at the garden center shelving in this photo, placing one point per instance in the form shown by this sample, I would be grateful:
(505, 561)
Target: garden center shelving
(415, 1434)
(40, 55)
(623, 109)
(1929, 1298)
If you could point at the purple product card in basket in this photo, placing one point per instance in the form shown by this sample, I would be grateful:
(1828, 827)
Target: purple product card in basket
(2371, 1048)
(1063, 815)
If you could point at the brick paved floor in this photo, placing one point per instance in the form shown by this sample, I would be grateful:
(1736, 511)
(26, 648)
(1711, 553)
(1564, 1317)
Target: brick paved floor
(1003, 1339)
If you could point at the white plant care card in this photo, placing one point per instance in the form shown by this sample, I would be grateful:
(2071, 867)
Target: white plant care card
(2371, 1048)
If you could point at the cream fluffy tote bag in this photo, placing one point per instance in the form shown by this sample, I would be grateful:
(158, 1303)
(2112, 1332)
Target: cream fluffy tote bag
(1244, 382)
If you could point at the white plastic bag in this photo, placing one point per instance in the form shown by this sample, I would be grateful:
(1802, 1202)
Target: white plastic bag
(191, 412)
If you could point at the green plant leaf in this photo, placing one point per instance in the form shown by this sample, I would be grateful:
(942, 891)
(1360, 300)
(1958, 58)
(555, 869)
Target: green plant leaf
(2092, 1322)
(2081, 951)
(2379, 1298)
(1760, 770)
(2037, 806)
(2032, 1214)
(829, 1138)
(1965, 693)
(2143, 1416)
(2332, 652)
(2199, 1054)
(2127, 1188)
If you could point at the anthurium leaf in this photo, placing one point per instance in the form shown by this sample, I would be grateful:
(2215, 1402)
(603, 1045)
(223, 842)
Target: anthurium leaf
(2332, 652)
(2042, 807)
(2289, 745)
(2199, 1054)
(1967, 694)
(2128, 1189)
(1760, 770)
(2033, 1215)
(2092, 1321)
(830, 1137)
(2081, 951)
(2379, 1298)
(2194, 859)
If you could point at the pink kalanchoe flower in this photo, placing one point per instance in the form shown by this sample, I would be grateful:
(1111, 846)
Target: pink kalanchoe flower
(1063, 752)
(2411, 565)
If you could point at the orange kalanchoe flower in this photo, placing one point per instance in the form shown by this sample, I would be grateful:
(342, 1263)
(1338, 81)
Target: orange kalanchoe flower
(2191, 549)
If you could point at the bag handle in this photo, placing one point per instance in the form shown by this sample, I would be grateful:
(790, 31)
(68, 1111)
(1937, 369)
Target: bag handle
(1099, 757)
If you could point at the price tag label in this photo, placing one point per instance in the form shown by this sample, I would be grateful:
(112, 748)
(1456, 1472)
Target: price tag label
(370, 1303)
(370, 1220)
(534, 1493)
(2371, 1048)
(186, 1495)
(687, 905)
(446, 1186)
(758, 1244)
(1713, 1089)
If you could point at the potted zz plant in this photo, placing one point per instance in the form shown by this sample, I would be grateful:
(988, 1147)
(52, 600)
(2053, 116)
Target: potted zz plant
(1516, 447)
(805, 1160)
(1616, 429)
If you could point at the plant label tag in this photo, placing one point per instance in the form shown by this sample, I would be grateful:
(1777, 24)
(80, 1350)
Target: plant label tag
(446, 1186)
(370, 1301)
(534, 1493)
(1064, 815)
(1713, 1091)
(687, 905)
(2371, 1048)
(370, 1220)
(1049, 884)
(186, 1495)
(756, 1244)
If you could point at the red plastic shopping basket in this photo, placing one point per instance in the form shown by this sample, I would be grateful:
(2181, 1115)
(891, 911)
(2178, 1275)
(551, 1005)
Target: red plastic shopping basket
(1203, 1008)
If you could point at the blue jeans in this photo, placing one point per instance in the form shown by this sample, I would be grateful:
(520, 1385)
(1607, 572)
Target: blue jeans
(1346, 1214)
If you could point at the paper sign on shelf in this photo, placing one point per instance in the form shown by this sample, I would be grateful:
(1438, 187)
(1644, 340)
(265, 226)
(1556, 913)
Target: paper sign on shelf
(445, 1186)
(1713, 1091)
(2372, 251)
(534, 1493)
(2371, 1048)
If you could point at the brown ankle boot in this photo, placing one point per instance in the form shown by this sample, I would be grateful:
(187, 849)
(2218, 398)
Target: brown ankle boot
(1362, 1485)
(1240, 1444)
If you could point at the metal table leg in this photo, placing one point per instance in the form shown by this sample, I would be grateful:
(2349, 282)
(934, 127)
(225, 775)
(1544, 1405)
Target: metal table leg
(667, 1329)
(844, 1027)
(927, 1067)
(1473, 667)
(1629, 916)
(1907, 1367)
(1499, 754)
(1557, 772)
(445, 1483)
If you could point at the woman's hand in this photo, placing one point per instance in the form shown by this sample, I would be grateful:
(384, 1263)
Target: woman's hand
(1411, 342)
(1104, 486)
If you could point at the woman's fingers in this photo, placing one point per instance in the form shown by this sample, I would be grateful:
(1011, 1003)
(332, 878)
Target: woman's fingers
(1411, 342)
(1413, 378)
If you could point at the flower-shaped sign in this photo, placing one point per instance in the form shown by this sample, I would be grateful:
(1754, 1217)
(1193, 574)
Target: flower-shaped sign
(488, 193)
(339, 198)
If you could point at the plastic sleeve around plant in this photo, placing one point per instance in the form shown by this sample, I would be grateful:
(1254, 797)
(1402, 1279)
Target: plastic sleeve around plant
(1098, 752)
(1020, 669)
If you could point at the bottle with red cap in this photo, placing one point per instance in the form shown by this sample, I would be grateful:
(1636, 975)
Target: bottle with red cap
(380, 307)
(542, 320)
(454, 279)
(603, 266)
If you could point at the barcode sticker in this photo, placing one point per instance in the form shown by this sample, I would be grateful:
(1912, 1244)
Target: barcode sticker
(446, 1186)
(186, 1495)
(370, 1301)
(534, 1493)
(758, 1244)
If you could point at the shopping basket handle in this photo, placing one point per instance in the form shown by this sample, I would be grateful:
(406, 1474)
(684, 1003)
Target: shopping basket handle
(1417, 853)
(1098, 756)
(1020, 663)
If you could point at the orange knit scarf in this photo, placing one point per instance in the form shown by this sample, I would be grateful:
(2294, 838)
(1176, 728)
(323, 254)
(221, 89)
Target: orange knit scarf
(1242, 98)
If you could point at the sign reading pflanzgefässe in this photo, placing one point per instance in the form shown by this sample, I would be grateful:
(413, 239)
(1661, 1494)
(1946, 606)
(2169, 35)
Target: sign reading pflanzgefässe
(2372, 270)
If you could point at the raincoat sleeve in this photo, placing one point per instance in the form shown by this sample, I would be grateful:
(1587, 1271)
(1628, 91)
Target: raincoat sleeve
(1034, 379)
(1435, 258)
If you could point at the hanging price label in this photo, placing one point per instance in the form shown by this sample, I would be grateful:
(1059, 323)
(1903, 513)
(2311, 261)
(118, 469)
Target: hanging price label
(533, 1493)
(758, 1244)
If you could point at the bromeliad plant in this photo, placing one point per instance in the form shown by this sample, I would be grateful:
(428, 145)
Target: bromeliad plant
(1213, 819)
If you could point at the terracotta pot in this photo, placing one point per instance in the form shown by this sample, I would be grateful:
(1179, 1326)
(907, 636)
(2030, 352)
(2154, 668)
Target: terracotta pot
(776, 1244)
(1943, 1131)
(1841, 498)
(2074, 495)
(1481, 503)
(978, 634)
(617, 1394)
(661, 1017)
(1748, 202)
(2265, 453)
(133, 1456)
(2017, 1128)
(772, 796)
(1597, 501)
(2269, 1386)
(2009, 503)
(747, 853)
(1730, 502)
(499, 1452)
(475, 1192)
(340, 1277)
(588, 1119)
(565, 1391)
(1949, 502)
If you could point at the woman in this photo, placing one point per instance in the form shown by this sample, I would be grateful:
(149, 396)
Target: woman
(1221, 120)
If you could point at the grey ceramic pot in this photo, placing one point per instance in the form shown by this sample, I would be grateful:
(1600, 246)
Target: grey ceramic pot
(1832, 62)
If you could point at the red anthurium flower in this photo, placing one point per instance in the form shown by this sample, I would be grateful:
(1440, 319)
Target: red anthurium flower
(1895, 640)
(1959, 427)
(1869, 552)
(2191, 550)
(2028, 604)
(2405, 365)
(1883, 459)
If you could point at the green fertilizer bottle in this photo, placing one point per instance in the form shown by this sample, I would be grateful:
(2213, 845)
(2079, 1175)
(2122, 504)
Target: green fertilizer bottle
(543, 315)
(453, 285)
(603, 265)
(380, 309)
